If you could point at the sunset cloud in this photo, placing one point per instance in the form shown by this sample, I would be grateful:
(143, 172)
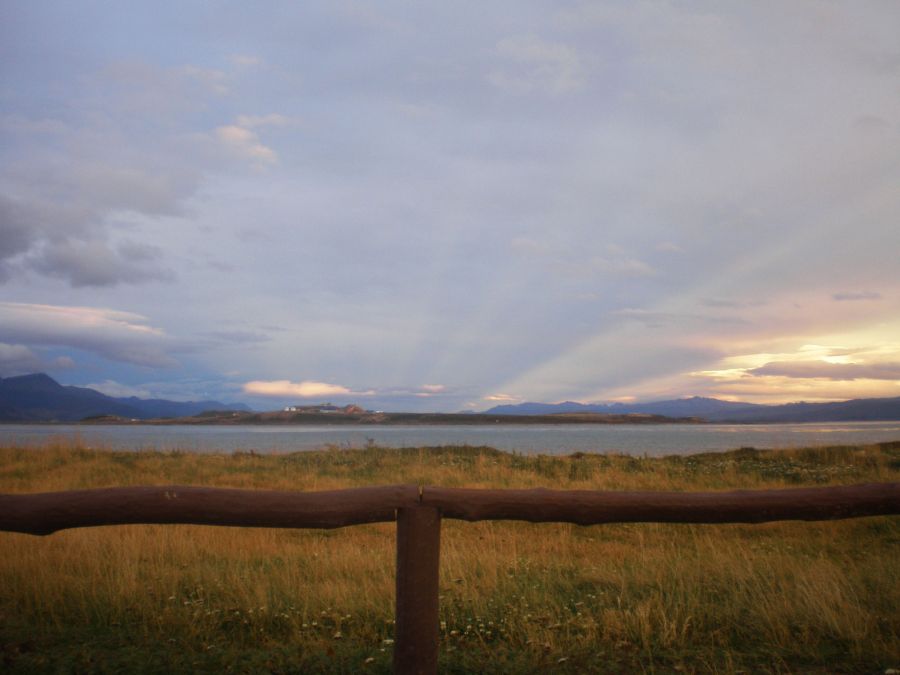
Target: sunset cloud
(304, 389)
(830, 371)
(502, 398)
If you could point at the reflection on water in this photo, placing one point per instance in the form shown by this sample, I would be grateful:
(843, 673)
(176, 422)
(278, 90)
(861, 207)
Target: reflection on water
(632, 439)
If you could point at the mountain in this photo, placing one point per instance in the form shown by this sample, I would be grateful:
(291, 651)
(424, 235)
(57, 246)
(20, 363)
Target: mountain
(697, 406)
(40, 398)
(856, 410)
(714, 410)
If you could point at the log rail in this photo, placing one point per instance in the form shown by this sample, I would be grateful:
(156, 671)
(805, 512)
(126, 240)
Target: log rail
(418, 512)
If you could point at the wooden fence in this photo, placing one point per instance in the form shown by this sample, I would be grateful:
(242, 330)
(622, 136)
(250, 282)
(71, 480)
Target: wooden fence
(418, 512)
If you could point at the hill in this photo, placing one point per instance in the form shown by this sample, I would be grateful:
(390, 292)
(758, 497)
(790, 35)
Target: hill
(40, 398)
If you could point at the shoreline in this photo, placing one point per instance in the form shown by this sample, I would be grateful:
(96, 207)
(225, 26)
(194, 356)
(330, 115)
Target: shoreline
(231, 418)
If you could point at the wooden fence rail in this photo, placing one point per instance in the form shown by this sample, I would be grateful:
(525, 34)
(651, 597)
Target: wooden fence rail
(418, 512)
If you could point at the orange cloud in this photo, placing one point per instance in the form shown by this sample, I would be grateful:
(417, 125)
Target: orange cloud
(304, 389)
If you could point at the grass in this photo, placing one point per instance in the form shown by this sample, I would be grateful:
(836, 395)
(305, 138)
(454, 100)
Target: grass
(515, 597)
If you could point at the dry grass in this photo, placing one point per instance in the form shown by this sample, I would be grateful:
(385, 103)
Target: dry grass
(516, 597)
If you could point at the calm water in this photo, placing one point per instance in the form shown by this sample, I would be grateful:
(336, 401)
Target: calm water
(638, 439)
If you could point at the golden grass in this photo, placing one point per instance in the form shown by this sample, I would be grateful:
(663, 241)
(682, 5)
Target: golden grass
(515, 597)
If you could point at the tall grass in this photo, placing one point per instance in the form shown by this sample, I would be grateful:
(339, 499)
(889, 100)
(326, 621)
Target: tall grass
(515, 597)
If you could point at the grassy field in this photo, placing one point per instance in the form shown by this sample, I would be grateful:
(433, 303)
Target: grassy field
(515, 597)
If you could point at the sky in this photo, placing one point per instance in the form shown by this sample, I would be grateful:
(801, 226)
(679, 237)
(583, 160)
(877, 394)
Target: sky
(446, 206)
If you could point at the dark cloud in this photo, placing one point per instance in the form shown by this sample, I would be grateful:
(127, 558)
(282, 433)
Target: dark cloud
(95, 263)
(15, 235)
(18, 360)
(67, 238)
(830, 371)
(116, 158)
(21, 360)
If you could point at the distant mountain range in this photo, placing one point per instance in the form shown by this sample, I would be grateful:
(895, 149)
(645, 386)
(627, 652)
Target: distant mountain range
(40, 398)
(714, 410)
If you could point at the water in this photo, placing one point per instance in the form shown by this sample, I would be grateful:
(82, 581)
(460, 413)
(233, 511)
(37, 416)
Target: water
(631, 439)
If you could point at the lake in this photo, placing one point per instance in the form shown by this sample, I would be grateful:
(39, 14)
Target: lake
(631, 439)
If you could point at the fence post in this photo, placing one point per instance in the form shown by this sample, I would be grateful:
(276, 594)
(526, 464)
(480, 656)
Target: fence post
(418, 556)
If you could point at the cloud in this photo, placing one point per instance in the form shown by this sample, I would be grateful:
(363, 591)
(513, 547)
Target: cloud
(119, 390)
(611, 261)
(19, 124)
(245, 60)
(18, 360)
(431, 390)
(856, 295)
(655, 319)
(131, 149)
(118, 336)
(14, 231)
(502, 398)
(270, 120)
(829, 371)
(215, 80)
(530, 64)
(15, 235)
(669, 247)
(58, 210)
(96, 263)
(245, 143)
(21, 360)
(731, 304)
(304, 389)
(622, 266)
(240, 337)
(129, 84)
(381, 240)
